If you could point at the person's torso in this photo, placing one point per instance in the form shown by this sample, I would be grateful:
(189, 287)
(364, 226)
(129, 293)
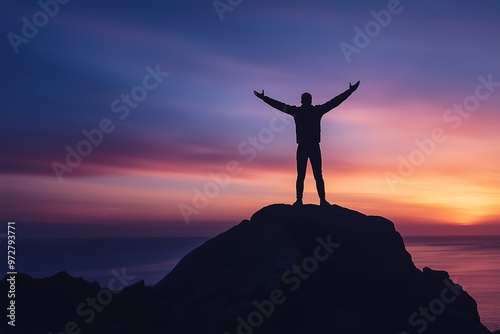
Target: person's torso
(308, 125)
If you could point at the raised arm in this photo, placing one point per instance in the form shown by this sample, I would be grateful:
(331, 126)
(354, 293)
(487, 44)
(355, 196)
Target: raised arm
(287, 109)
(326, 107)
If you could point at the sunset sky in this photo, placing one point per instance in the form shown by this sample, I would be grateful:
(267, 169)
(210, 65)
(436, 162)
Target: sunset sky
(418, 142)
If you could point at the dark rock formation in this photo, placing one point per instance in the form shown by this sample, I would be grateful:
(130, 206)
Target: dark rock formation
(288, 269)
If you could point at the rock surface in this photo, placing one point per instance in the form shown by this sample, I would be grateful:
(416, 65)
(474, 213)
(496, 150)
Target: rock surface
(288, 269)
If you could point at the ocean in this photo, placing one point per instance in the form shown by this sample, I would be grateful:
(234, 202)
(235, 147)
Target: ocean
(472, 261)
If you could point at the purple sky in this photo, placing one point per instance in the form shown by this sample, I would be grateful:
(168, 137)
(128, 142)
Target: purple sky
(153, 160)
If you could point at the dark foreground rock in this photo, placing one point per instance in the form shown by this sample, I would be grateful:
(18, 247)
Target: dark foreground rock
(286, 270)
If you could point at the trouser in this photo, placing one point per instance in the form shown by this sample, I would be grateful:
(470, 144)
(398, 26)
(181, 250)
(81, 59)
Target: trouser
(313, 153)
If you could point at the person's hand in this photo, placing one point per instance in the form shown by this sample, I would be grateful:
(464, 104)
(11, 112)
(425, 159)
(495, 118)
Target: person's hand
(259, 95)
(352, 88)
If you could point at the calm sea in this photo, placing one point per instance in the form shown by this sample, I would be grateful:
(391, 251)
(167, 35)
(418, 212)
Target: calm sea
(473, 262)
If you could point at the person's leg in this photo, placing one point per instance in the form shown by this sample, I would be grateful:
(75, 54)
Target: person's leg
(315, 156)
(301, 172)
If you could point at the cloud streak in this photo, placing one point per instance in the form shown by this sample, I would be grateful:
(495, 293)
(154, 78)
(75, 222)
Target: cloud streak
(65, 80)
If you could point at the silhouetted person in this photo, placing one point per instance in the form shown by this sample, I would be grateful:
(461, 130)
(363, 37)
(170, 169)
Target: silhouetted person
(307, 127)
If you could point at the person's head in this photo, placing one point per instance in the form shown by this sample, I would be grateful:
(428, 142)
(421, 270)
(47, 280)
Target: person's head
(306, 99)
